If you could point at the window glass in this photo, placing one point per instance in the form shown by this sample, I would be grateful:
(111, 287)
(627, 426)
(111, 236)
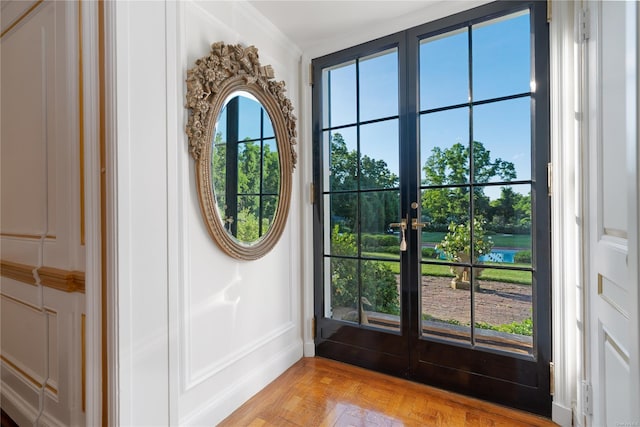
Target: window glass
(502, 57)
(444, 147)
(339, 95)
(502, 140)
(378, 79)
(343, 158)
(379, 166)
(444, 70)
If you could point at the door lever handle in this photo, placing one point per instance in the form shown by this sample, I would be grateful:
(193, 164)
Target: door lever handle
(403, 226)
(415, 224)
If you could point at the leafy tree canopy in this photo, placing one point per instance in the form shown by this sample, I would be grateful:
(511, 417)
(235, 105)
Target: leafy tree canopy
(451, 166)
(378, 208)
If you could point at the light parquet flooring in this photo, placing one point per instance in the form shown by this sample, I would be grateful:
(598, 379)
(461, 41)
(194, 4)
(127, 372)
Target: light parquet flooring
(322, 392)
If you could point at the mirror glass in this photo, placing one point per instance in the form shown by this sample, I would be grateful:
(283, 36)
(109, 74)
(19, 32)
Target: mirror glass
(245, 168)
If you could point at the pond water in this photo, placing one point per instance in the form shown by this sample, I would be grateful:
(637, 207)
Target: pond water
(496, 255)
(499, 255)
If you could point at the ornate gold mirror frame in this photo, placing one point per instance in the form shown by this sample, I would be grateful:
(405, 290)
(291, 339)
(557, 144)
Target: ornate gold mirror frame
(226, 70)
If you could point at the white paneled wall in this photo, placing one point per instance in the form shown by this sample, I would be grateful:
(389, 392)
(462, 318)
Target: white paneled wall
(240, 322)
(228, 327)
(41, 248)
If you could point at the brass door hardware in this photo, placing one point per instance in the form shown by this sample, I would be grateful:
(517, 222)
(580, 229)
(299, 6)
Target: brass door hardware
(403, 227)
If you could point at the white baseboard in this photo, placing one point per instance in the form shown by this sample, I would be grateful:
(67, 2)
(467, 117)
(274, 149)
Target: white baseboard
(230, 399)
(561, 415)
(16, 407)
(47, 420)
(309, 349)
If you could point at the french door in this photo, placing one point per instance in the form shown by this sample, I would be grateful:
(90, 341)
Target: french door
(431, 221)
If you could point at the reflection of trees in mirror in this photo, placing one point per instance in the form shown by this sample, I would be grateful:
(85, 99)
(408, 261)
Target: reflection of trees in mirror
(256, 195)
(378, 281)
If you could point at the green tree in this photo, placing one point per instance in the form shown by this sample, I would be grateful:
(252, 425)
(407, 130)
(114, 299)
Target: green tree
(379, 208)
(450, 166)
(511, 210)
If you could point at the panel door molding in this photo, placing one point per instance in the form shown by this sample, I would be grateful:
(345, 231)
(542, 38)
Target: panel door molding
(611, 191)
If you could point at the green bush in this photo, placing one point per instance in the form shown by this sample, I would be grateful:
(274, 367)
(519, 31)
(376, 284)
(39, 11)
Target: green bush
(523, 257)
(518, 328)
(377, 280)
(389, 249)
(372, 241)
(430, 253)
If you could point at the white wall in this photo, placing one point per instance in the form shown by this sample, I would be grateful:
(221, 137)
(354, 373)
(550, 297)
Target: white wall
(42, 253)
(199, 332)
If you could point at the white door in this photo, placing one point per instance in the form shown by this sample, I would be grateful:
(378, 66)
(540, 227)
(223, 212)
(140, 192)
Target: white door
(611, 220)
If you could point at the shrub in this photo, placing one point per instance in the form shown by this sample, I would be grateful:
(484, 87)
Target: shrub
(377, 280)
(501, 228)
(430, 253)
(458, 240)
(389, 249)
(518, 328)
(373, 241)
(522, 257)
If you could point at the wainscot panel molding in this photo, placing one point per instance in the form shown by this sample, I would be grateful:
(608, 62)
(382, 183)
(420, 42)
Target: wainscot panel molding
(20, 272)
(216, 407)
(41, 373)
(56, 278)
(233, 326)
(42, 279)
(63, 280)
(14, 12)
(195, 378)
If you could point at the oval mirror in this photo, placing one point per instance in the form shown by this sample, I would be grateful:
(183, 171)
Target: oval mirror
(241, 133)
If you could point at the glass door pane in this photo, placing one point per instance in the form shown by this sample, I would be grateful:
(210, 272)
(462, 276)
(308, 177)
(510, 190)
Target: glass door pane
(361, 194)
(470, 148)
(430, 171)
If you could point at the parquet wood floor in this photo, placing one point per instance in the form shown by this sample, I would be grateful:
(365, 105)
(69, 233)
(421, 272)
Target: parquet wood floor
(322, 392)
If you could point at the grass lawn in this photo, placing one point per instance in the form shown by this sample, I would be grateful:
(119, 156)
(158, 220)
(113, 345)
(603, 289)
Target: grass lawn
(507, 276)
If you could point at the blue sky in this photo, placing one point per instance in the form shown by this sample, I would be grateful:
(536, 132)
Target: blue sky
(500, 67)
(248, 118)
